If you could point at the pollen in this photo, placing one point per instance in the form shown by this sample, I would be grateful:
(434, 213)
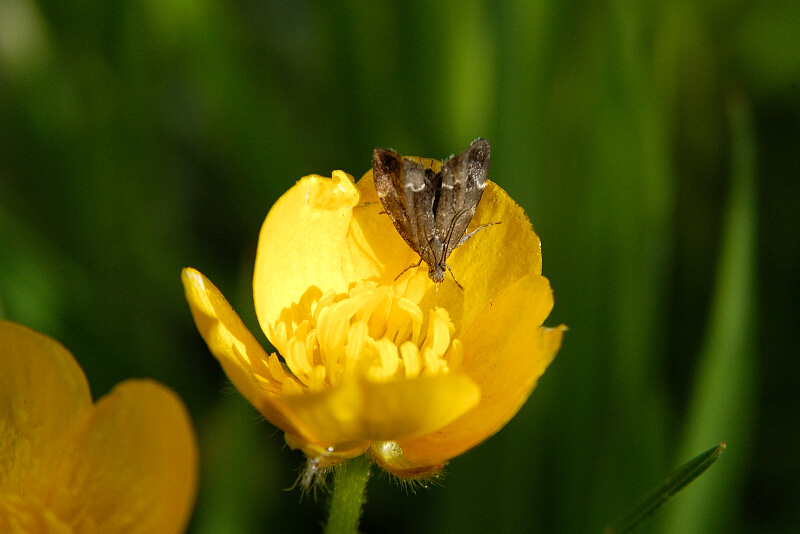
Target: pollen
(373, 332)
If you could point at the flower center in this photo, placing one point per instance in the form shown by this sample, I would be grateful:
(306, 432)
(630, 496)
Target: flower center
(374, 332)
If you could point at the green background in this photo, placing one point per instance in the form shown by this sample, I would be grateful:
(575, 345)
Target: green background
(655, 146)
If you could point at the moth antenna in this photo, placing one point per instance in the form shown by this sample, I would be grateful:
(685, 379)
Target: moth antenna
(472, 233)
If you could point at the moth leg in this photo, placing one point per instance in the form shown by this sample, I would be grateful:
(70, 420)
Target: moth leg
(472, 233)
(409, 267)
(454, 274)
(449, 237)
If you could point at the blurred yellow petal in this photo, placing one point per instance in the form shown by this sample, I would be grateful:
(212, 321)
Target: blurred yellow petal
(505, 352)
(131, 466)
(18, 515)
(43, 392)
(125, 464)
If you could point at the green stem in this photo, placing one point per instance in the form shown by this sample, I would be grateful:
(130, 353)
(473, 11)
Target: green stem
(349, 485)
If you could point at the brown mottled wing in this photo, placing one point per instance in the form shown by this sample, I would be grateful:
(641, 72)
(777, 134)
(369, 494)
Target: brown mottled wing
(404, 187)
(420, 185)
(463, 180)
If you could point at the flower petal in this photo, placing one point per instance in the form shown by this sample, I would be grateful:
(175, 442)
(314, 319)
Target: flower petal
(364, 410)
(234, 346)
(488, 262)
(304, 244)
(131, 466)
(505, 351)
(43, 392)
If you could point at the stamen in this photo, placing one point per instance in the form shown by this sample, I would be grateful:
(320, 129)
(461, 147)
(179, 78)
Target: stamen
(371, 331)
(316, 380)
(385, 367)
(455, 356)
(297, 361)
(410, 355)
(355, 345)
(276, 368)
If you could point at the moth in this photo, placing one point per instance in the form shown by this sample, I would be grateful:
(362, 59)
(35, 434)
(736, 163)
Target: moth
(431, 210)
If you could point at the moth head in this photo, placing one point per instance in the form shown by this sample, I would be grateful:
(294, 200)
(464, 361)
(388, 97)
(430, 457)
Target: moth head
(436, 272)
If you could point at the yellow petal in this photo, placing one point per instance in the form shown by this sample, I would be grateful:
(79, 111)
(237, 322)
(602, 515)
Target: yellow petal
(43, 392)
(505, 351)
(131, 465)
(303, 244)
(235, 347)
(363, 410)
(487, 263)
(374, 234)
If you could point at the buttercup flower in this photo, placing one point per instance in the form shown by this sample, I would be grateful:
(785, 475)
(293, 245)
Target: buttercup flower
(126, 464)
(412, 373)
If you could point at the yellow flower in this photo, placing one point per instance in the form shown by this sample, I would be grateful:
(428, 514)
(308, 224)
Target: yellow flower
(412, 373)
(126, 464)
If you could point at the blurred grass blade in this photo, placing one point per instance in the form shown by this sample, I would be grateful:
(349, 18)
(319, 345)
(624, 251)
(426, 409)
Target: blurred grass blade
(679, 480)
(724, 399)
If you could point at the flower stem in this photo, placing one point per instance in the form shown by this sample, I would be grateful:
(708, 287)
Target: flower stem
(349, 485)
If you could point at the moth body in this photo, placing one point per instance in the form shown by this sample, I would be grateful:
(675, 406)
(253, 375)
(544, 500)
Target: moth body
(434, 256)
(431, 210)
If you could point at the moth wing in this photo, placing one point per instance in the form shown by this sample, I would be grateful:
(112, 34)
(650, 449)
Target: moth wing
(420, 184)
(387, 167)
(463, 181)
(401, 184)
